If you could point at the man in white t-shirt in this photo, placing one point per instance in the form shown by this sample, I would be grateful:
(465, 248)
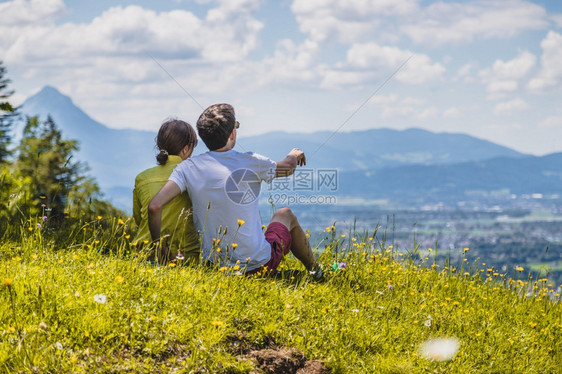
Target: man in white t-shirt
(224, 186)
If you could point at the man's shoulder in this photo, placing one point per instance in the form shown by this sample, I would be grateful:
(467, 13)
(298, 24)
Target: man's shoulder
(253, 155)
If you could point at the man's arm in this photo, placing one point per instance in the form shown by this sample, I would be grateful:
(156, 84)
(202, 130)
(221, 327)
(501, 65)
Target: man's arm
(163, 197)
(287, 167)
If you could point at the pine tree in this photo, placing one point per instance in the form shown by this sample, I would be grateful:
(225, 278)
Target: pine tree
(7, 115)
(47, 158)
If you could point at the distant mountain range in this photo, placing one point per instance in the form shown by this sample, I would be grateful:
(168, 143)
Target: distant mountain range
(371, 164)
(500, 176)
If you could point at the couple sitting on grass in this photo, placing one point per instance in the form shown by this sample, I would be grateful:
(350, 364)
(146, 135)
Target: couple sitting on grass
(224, 186)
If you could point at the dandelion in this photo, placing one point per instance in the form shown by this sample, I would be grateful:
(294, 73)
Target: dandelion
(442, 349)
(8, 282)
(218, 323)
(99, 218)
(119, 279)
(328, 229)
(172, 264)
(241, 222)
(100, 298)
(465, 250)
(120, 221)
(519, 268)
(234, 245)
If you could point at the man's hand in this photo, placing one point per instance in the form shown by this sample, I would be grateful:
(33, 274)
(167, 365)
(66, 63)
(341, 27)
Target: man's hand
(287, 167)
(301, 158)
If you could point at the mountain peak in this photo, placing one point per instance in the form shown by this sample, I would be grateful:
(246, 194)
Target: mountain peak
(52, 95)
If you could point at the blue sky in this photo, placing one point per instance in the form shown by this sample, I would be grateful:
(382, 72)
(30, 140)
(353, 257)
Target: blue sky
(488, 68)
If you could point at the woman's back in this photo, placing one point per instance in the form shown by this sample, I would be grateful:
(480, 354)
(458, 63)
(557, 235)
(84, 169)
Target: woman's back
(176, 140)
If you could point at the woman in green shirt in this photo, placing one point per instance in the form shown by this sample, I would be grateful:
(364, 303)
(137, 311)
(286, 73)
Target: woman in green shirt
(176, 140)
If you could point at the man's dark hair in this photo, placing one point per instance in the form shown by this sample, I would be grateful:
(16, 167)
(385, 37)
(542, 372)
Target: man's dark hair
(215, 125)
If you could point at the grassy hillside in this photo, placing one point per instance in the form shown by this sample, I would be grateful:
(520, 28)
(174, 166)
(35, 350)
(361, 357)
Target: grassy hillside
(77, 308)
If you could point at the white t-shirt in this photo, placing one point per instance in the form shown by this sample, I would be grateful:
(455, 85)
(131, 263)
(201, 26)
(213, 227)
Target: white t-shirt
(224, 188)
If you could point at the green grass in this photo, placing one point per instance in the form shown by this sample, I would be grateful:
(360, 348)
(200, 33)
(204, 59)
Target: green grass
(370, 317)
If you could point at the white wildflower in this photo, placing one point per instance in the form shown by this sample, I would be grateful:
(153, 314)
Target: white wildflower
(441, 349)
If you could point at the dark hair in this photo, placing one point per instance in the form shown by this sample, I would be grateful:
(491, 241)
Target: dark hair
(172, 137)
(215, 125)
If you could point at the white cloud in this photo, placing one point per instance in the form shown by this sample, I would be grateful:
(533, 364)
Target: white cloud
(516, 68)
(27, 12)
(455, 22)
(346, 20)
(290, 64)
(557, 18)
(552, 121)
(393, 106)
(427, 113)
(504, 76)
(551, 63)
(452, 113)
(465, 73)
(508, 107)
(385, 100)
(398, 111)
(369, 61)
(226, 34)
(110, 56)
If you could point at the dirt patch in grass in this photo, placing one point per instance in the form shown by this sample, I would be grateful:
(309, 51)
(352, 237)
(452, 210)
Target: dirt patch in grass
(285, 361)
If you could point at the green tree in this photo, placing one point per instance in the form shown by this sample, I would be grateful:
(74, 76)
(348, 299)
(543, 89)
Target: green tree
(7, 115)
(48, 161)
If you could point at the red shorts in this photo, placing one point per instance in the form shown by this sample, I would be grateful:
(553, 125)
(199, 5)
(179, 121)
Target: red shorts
(278, 235)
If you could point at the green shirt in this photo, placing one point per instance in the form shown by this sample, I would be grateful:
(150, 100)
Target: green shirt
(177, 215)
